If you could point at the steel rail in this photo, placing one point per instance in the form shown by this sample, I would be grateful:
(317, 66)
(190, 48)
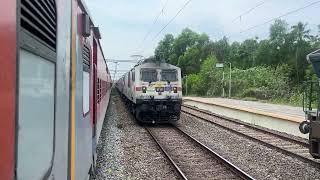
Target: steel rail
(253, 138)
(241, 174)
(183, 176)
(218, 157)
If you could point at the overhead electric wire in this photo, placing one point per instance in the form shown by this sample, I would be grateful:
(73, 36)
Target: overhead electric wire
(278, 17)
(170, 21)
(250, 10)
(164, 27)
(221, 28)
(154, 22)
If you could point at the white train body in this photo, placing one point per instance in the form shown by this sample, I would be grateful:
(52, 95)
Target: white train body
(154, 91)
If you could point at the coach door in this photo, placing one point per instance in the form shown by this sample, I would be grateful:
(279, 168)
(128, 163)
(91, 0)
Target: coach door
(36, 90)
(94, 89)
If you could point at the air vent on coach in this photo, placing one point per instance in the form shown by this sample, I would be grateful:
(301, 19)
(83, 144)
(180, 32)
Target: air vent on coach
(86, 57)
(38, 18)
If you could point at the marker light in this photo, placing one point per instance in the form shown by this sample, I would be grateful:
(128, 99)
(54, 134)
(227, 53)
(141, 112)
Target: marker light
(175, 89)
(144, 89)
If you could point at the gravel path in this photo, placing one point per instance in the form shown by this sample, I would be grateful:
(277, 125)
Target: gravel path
(110, 151)
(255, 159)
(126, 150)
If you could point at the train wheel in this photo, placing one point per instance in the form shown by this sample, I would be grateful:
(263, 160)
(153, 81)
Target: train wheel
(133, 109)
(304, 127)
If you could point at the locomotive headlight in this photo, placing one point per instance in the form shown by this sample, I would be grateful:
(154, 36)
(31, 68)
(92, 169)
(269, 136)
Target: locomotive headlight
(144, 89)
(175, 89)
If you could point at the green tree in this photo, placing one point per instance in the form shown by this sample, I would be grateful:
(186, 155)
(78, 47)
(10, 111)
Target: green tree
(301, 45)
(264, 53)
(185, 40)
(278, 31)
(165, 48)
(264, 69)
(190, 61)
(187, 50)
(222, 49)
(206, 79)
(278, 43)
(248, 53)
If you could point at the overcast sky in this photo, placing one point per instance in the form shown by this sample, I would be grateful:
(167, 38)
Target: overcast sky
(124, 23)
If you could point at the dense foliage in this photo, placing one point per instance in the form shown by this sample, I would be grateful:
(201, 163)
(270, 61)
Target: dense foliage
(269, 69)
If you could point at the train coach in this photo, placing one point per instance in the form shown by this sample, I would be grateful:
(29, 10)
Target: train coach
(54, 91)
(312, 97)
(153, 91)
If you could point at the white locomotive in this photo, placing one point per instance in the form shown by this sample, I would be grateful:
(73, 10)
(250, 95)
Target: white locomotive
(153, 91)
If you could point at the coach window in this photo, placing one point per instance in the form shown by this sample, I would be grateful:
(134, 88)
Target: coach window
(98, 90)
(86, 78)
(36, 90)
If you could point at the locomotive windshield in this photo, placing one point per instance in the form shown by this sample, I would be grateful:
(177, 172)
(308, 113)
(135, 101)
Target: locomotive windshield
(169, 75)
(149, 75)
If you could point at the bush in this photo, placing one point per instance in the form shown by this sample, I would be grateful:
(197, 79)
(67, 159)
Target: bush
(262, 83)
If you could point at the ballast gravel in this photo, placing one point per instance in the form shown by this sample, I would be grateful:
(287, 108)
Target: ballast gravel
(126, 150)
(109, 149)
(143, 159)
(257, 160)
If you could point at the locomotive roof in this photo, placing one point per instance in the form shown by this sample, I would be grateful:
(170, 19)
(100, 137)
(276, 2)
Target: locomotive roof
(157, 65)
(152, 62)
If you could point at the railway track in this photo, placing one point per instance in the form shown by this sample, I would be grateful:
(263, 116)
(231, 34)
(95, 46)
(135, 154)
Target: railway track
(191, 158)
(284, 144)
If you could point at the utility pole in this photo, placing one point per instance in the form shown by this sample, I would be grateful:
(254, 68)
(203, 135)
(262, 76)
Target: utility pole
(186, 85)
(230, 80)
(253, 66)
(115, 70)
(221, 65)
(223, 82)
(297, 71)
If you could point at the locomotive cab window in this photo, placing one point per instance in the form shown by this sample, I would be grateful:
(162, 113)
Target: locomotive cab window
(133, 76)
(148, 75)
(129, 79)
(169, 75)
